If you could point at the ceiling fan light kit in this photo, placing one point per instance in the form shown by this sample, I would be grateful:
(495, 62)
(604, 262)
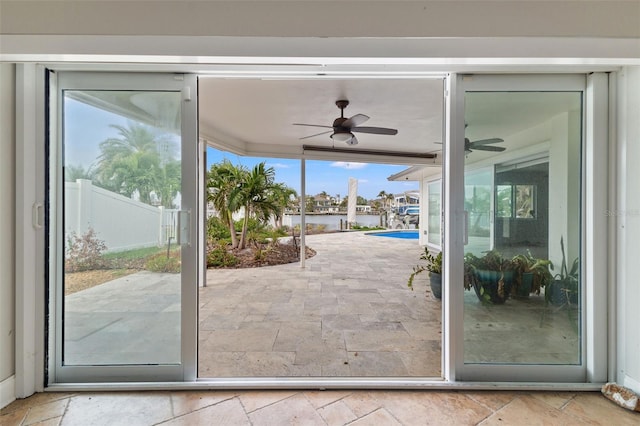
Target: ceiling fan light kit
(343, 128)
(342, 136)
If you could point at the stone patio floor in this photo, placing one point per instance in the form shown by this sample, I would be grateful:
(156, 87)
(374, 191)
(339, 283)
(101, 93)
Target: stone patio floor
(347, 313)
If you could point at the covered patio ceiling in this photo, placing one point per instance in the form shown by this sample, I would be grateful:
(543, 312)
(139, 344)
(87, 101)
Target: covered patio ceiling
(255, 117)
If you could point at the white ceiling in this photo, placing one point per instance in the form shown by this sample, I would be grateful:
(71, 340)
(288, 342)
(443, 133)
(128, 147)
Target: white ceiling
(257, 115)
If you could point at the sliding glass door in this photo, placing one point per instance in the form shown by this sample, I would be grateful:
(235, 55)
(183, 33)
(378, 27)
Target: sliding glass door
(523, 291)
(123, 224)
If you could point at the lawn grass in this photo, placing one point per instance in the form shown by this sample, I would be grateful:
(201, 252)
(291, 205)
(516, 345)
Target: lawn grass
(139, 253)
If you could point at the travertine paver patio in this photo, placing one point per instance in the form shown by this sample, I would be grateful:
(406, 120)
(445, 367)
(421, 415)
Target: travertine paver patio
(347, 313)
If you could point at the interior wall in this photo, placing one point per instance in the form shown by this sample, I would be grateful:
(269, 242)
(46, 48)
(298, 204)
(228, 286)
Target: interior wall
(628, 229)
(531, 233)
(7, 233)
(463, 18)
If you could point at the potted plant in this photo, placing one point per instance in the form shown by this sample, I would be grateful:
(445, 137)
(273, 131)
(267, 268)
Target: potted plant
(491, 276)
(565, 285)
(433, 264)
(530, 274)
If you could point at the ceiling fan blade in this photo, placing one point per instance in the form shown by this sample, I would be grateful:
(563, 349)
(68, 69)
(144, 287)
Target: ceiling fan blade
(375, 130)
(352, 141)
(354, 121)
(487, 141)
(317, 134)
(312, 125)
(487, 148)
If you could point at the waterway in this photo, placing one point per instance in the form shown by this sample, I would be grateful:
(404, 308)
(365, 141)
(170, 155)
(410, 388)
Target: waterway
(331, 222)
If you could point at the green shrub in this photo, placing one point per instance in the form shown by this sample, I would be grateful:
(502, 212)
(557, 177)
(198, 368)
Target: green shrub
(219, 257)
(84, 253)
(217, 229)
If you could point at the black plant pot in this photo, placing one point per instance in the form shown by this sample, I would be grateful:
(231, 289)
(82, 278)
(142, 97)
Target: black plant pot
(435, 281)
(526, 283)
(487, 286)
(558, 294)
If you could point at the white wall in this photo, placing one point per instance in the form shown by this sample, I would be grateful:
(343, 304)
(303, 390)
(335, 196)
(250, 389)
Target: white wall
(576, 21)
(7, 234)
(460, 18)
(628, 227)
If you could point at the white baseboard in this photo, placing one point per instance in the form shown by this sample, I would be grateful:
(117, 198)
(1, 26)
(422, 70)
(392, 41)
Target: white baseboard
(632, 384)
(7, 391)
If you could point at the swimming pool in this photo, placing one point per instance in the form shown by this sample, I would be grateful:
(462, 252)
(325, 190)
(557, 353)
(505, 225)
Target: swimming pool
(405, 234)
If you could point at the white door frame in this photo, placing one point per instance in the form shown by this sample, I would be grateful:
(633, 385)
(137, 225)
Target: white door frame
(186, 85)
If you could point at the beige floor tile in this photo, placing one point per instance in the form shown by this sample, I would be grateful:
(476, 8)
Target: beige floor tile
(377, 418)
(188, 401)
(529, 411)
(254, 400)
(492, 400)
(229, 412)
(34, 400)
(434, 407)
(49, 422)
(296, 410)
(14, 417)
(363, 403)
(594, 406)
(321, 398)
(337, 414)
(47, 411)
(127, 408)
(555, 399)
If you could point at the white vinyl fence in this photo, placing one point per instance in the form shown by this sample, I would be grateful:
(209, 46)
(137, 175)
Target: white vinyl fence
(122, 223)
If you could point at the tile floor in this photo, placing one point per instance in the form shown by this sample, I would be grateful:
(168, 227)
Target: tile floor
(316, 408)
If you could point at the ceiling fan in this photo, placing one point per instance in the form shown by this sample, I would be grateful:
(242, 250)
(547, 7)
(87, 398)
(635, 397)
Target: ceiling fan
(483, 145)
(343, 128)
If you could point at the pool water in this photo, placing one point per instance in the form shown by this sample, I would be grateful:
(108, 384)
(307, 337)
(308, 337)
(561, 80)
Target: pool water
(407, 235)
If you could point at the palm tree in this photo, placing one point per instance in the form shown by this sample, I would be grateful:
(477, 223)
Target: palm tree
(73, 173)
(284, 197)
(133, 163)
(390, 198)
(252, 193)
(222, 180)
(383, 194)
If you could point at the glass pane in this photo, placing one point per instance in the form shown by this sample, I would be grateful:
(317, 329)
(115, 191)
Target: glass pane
(122, 173)
(477, 204)
(434, 233)
(522, 300)
(525, 201)
(504, 197)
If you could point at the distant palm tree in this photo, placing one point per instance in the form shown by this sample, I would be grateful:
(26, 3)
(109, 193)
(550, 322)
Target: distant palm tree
(73, 173)
(383, 194)
(390, 198)
(284, 197)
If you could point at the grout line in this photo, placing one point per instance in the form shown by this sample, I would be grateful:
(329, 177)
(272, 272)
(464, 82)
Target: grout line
(195, 411)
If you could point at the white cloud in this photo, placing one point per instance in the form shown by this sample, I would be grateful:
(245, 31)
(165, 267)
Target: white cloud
(278, 165)
(348, 165)
(363, 180)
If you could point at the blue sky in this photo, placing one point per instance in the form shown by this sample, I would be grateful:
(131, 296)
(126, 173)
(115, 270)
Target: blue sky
(86, 127)
(332, 177)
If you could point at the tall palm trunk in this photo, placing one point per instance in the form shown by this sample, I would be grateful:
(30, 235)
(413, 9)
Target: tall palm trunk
(245, 226)
(232, 231)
